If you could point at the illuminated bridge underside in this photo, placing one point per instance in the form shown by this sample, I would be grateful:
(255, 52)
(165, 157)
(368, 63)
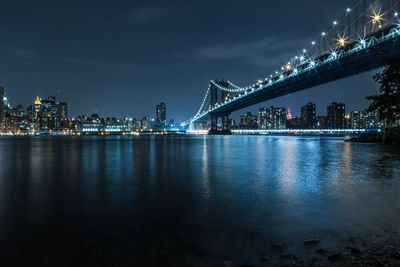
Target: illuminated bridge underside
(348, 64)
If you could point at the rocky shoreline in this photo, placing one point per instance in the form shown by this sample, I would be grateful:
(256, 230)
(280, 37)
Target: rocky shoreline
(383, 251)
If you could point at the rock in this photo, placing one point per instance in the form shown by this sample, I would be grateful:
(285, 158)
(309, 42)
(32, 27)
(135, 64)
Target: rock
(288, 257)
(266, 258)
(311, 242)
(320, 251)
(228, 263)
(335, 257)
(277, 246)
(351, 250)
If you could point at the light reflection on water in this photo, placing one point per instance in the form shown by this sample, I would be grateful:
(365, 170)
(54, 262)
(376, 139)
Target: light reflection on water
(138, 199)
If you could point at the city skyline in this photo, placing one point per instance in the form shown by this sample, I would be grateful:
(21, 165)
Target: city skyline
(135, 76)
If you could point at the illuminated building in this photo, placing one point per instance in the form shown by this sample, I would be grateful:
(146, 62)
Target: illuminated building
(336, 116)
(308, 116)
(161, 115)
(248, 121)
(272, 118)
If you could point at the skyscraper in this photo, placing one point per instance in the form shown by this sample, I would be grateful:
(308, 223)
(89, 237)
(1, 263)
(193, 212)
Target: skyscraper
(336, 116)
(272, 118)
(2, 108)
(308, 116)
(161, 114)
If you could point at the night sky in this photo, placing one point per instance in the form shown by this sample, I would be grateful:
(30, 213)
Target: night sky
(121, 58)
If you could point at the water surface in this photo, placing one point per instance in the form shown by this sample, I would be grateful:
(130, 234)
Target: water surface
(188, 200)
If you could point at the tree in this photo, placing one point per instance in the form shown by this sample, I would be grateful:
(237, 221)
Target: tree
(387, 103)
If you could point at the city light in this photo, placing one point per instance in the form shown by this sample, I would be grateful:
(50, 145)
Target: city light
(342, 40)
(377, 17)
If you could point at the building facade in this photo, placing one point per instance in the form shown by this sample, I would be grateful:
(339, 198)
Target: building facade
(336, 116)
(308, 116)
(161, 114)
(272, 118)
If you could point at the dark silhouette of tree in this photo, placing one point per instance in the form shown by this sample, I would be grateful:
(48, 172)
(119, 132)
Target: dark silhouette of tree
(387, 103)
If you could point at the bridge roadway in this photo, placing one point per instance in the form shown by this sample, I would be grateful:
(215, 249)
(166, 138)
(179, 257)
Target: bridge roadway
(352, 62)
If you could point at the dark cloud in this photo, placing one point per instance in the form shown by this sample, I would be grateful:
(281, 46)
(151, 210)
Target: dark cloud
(265, 52)
(153, 12)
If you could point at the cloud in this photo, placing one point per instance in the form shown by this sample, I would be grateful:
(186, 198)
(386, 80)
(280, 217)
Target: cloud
(149, 13)
(23, 53)
(100, 63)
(269, 51)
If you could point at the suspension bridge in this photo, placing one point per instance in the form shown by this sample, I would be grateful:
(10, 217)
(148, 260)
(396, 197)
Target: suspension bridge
(364, 38)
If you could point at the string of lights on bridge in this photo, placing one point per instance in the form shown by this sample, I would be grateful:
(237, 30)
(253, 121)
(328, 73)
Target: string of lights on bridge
(305, 61)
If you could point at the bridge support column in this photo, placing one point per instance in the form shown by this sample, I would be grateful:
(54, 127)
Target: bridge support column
(225, 124)
(214, 124)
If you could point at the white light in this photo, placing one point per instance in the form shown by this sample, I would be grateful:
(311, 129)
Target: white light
(301, 58)
(304, 51)
(396, 14)
(295, 70)
(313, 43)
(312, 63)
(335, 22)
(348, 10)
(323, 33)
(270, 81)
(334, 54)
(281, 76)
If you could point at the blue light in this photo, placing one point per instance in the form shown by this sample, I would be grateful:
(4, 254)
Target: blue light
(312, 63)
(362, 42)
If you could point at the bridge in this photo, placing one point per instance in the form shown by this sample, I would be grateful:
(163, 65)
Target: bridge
(364, 38)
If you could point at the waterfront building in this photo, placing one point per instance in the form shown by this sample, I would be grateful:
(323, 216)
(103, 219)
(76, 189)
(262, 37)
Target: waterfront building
(272, 118)
(48, 114)
(321, 122)
(161, 115)
(356, 120)
(294, 123)
(336, 116)
(308, 116)
(248, 121)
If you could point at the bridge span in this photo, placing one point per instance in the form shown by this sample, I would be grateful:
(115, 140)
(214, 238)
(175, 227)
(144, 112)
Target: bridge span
(366, 37)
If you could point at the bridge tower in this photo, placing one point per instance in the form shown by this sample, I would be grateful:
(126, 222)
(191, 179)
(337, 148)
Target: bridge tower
(218, 96)
(213, 102)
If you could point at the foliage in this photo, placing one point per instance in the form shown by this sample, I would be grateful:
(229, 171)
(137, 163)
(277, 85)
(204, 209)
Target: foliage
(387, 103)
